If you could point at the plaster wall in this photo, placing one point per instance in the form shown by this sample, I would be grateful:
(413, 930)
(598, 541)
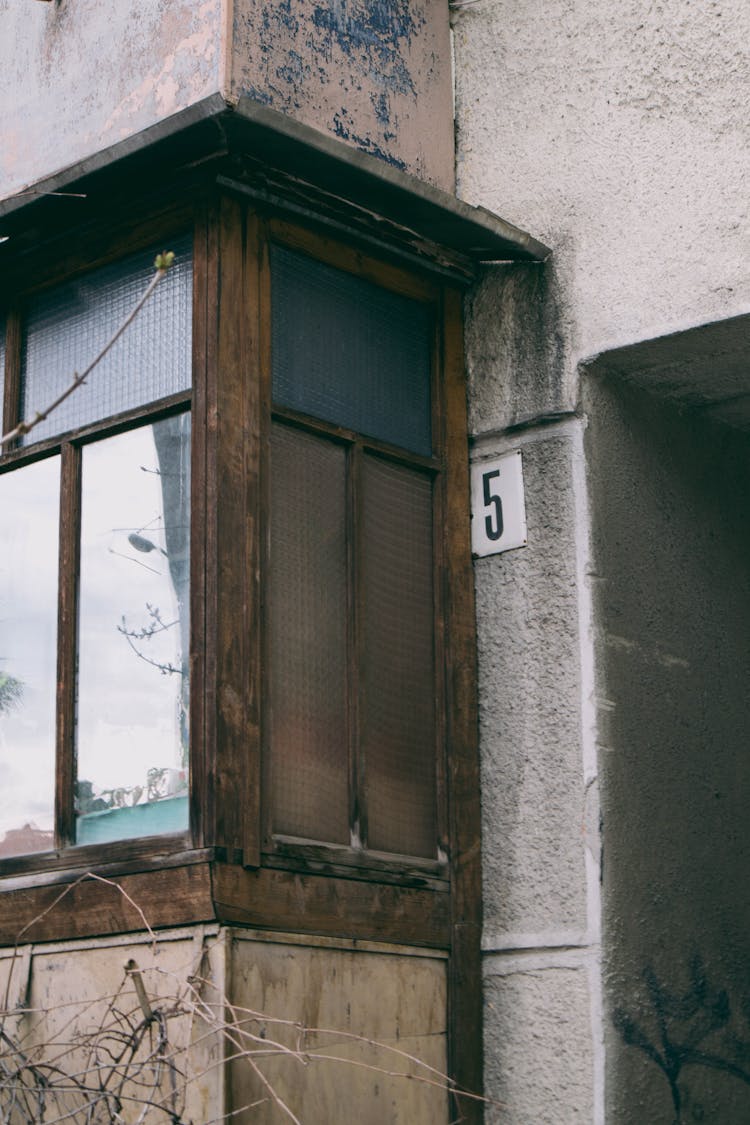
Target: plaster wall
(77, 76)
(617, 133)
(543, 1038)
(672, 593)
(374, 73)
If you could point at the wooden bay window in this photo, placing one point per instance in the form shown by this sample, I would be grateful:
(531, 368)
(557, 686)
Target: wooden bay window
(236, 622)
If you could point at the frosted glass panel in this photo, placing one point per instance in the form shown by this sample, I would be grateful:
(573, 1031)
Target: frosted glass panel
(350, 352)
(29, 503)
(67, 326)
(134, 633)
(398, 698)
(308, 638)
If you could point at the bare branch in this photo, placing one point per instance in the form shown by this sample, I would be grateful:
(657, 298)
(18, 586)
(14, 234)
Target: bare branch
(161, 265)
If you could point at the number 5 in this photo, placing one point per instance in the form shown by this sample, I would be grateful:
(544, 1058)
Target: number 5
(493, 523)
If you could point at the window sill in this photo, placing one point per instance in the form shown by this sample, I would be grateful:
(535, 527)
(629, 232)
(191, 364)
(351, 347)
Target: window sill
(293, 854)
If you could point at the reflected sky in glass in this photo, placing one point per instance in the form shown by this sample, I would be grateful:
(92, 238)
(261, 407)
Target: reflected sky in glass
(29, 503)
(134, 629)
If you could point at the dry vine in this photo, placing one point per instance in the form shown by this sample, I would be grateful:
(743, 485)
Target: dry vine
(133, 1057)
(162, 263)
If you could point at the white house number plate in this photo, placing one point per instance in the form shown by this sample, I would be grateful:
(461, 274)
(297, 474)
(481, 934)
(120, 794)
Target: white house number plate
(498, 512)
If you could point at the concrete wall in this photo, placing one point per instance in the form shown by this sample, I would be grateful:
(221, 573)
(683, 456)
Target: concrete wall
(615, 133)
(77, 76)
(672, 594)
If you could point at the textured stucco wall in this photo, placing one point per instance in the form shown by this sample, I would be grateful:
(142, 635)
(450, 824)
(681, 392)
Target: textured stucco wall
(539, 796)
(78, 75)
(617, 134)
(671, 543)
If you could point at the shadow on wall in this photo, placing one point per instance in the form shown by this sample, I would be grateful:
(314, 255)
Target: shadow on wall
(700, 1027)
(669, 491)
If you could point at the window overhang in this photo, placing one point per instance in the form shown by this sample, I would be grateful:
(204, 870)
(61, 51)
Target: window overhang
(262, 153)
(704, 369)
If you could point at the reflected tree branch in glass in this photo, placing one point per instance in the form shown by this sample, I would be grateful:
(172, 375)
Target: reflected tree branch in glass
(173, 455)
(145, 633)
(11, 692)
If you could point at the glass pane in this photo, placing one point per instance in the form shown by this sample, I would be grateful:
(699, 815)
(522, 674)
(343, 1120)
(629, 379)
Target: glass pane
(134, 634)
(29, 502)
(308, 650)
(350, 352)
(67, 326)
(398, 690)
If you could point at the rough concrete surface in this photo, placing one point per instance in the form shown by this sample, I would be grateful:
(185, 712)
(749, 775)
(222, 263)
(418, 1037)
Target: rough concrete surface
(539, 1063)
(671, 552)
(619, 135)
(532, 778)
(515, 347)
(78, 75)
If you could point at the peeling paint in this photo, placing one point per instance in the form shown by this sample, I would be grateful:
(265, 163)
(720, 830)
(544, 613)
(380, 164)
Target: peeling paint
(376, 75)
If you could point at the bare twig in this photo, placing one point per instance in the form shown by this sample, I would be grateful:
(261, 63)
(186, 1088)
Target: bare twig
(135, 1056)
(161, 265)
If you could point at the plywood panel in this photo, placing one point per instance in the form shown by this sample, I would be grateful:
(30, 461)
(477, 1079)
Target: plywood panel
(369, 1017)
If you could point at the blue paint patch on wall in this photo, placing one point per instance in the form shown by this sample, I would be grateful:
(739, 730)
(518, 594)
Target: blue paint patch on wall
(304, 56)
(343, 130)
(378, 29)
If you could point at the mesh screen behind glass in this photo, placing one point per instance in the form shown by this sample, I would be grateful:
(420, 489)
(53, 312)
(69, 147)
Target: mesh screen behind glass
(398, 699)
(65, 328)
(308, 638)
(350, 352)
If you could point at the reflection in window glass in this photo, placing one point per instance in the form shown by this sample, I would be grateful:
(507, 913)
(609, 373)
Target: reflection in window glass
(132, 744)
(29, 502)
(67, 326)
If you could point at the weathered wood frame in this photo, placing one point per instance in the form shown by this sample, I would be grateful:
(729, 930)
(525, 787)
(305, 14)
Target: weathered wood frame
(230, 867)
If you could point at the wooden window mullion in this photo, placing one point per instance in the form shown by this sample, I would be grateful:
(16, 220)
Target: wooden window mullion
(355, 686)
(10, 409)
(70, 528)
(202, 357)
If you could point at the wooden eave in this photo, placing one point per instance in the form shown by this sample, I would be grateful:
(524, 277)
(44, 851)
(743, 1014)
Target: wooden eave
(264, 154)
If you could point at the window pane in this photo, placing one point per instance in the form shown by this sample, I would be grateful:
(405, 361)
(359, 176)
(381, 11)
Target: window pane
(29, 502)
(134, 633)
(308, 649)
(398, 697)
(67, 326)
(350, 352)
